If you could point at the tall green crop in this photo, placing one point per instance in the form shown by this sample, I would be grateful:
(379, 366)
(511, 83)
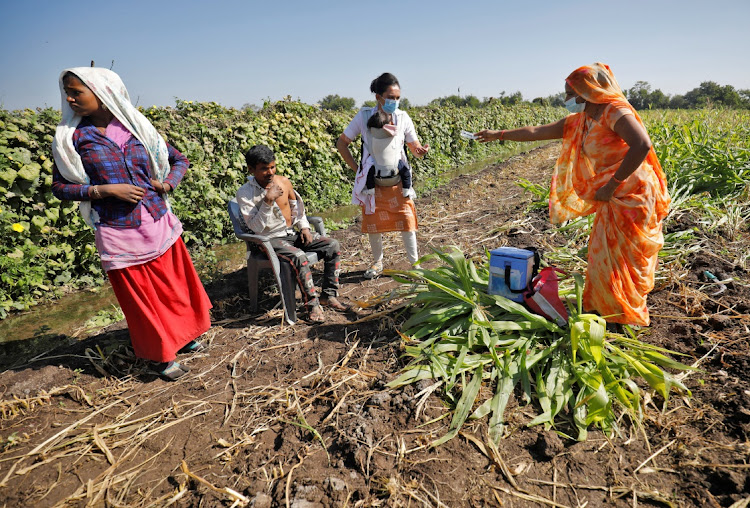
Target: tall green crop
(703, 151)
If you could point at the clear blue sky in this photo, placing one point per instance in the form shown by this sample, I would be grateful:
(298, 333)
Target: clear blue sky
(237, 52)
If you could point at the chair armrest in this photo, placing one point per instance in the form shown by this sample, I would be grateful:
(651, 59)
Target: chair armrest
(261, 241)
(253, 238)
(317, 224)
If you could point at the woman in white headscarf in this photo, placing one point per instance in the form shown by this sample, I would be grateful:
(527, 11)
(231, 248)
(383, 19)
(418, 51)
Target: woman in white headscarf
(109, 157)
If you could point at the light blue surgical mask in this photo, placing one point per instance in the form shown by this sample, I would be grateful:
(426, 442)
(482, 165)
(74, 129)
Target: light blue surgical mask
(390, 106)
(573, 106)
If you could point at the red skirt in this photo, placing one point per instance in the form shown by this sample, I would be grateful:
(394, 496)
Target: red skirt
(164, 303)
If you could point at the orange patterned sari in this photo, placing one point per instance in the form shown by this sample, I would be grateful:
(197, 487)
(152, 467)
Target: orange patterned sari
(627, 232)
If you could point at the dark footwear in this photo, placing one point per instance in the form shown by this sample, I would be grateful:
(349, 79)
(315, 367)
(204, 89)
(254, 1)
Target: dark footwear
(316, 314)
(192, 347)
(171, 371)
(615, 328)
(334, 303)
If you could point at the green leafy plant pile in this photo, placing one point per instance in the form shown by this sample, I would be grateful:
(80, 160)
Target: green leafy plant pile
(48, 247)
(481, 348)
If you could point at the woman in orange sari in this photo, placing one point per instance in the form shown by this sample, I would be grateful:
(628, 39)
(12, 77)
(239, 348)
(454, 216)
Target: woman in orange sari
(606, 166)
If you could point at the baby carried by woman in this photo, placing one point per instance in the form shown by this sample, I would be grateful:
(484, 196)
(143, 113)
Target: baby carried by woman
(385, 153)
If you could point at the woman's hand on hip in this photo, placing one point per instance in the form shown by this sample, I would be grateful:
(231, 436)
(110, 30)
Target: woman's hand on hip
(123, 191)
(342, 145)
(160, 187)
(606, 191)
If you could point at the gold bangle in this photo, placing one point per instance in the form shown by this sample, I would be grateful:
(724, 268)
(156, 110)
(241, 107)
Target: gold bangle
(616, 179)
(96, 193)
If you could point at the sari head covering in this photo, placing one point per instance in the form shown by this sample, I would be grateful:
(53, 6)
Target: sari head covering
(596, 84)
(111, 91)
(626, 234)
(573, 175)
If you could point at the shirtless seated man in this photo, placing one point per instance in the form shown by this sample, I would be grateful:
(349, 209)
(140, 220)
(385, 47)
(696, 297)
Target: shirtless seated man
(270, 206)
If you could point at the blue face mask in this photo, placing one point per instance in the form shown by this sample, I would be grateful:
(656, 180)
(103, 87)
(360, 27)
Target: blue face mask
(573, 106)
(390, 106)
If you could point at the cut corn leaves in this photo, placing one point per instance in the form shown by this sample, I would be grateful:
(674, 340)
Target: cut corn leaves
(577, 376)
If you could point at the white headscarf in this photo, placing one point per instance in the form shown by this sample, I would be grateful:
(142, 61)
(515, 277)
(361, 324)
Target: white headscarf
(109, 88)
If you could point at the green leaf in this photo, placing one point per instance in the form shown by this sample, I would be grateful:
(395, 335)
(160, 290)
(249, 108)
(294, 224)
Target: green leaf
(463, 408)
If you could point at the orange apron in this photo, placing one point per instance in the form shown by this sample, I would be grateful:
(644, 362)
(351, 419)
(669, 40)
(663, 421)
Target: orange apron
(393, 212)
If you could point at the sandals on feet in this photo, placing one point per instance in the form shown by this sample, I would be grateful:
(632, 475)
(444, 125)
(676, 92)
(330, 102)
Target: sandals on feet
(316, 315)
(374, 271)
(171, 371)
(334, 303)
(192, 347)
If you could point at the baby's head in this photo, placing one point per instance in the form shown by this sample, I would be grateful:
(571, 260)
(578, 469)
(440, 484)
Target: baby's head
(378, 119)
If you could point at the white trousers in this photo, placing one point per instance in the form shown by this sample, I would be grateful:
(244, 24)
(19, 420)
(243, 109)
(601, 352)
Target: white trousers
(410, 244)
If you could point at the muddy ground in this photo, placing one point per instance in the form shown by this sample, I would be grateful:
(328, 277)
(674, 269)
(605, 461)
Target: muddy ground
(272, 415)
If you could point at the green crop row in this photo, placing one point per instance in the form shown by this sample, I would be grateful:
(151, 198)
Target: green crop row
(703, 151)
(48, 249)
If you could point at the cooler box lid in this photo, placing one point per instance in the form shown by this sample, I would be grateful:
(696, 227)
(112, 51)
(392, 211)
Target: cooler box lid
(509, 252)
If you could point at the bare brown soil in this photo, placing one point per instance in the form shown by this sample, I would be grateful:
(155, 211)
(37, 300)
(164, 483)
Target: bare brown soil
(273, 415)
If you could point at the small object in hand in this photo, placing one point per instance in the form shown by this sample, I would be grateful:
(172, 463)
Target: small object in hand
(468, 135)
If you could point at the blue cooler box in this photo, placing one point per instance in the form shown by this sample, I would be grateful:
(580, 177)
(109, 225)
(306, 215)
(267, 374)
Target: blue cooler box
(521, 263)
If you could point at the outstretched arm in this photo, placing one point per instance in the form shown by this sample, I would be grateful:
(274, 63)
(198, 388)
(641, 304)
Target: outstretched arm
(531, 133)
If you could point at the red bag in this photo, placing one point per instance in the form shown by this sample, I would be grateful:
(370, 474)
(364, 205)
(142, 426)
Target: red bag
(542, 296)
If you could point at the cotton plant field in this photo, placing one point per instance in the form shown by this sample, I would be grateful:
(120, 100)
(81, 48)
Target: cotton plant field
(48, 247)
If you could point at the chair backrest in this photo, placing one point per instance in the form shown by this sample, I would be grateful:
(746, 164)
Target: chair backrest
(234, 215)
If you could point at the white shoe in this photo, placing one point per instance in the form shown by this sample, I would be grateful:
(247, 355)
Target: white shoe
(374, 270)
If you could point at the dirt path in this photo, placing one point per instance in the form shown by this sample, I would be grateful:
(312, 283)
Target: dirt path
(299, 416)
